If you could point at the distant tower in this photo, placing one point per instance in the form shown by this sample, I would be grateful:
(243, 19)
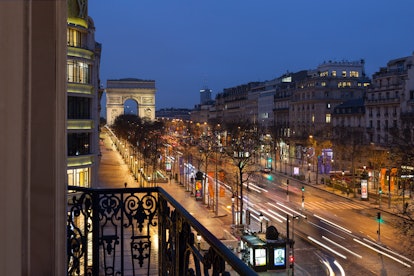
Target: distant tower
(205, 95)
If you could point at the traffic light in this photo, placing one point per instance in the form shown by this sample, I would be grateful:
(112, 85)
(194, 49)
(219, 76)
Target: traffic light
(303, 188)
(379, 219)
(291, 260)
(380, 190)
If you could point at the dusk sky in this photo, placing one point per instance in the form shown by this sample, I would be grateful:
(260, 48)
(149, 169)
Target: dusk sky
(185, 45)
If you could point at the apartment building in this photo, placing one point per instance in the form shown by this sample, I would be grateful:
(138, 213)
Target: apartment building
(390, 101)
(83, 97)
(315, 97)
(234, 104)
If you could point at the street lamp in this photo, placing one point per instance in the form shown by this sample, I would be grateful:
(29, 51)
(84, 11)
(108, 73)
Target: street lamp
(232, 208)
(261, 222)
(287, 189)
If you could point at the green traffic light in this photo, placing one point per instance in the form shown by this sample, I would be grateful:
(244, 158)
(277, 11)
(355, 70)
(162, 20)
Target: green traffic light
(379, 218)
(303, 188)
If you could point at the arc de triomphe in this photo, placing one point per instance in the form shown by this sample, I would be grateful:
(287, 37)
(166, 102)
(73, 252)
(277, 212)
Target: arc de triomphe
(118, 91)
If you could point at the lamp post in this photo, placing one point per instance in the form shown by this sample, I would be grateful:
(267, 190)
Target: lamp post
(261, 222)
(216, 195)
(291, 241)
(287, 189)
(232, 208)
(303, 197)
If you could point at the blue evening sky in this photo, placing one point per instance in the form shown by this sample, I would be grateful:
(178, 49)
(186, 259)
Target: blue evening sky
(185, 45)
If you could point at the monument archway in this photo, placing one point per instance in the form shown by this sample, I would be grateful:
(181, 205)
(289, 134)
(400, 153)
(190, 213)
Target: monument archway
(119, 91)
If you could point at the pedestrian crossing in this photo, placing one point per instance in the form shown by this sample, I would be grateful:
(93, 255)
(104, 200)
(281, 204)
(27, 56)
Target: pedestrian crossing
(333, 205)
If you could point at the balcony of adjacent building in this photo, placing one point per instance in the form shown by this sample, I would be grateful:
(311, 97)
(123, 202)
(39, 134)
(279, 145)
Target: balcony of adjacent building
(141, 231)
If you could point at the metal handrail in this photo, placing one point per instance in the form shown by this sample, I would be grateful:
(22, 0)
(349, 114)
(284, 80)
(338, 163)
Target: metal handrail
(175, 235)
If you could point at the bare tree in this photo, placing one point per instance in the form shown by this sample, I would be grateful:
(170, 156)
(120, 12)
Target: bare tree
(242, 149)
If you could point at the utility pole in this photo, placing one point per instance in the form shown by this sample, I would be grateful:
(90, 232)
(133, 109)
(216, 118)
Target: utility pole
(379, 226)
(303, 197)
(287, 189)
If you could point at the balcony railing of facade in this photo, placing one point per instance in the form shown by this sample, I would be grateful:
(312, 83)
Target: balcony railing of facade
(141, 231)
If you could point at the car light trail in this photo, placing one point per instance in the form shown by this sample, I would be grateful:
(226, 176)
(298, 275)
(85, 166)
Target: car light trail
(342, 247)
(326, 230)
(297, 213)
(276, 214)
(284, 211)
(328, 266)
(334, 224)
(382, 253)
(340, 268)
(272, 216)
(253, 188)
(327, 247)
(390, 251)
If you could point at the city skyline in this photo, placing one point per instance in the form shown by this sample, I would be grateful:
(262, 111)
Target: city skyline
(186, 46)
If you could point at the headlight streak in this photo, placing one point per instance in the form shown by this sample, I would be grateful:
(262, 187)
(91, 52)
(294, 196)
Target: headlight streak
(327, 247)
(252, 188)
(293, 211)
(382, 253)
(328, 266)
(326, 230)
(256, 188)
(276, 214)
(342, 247)
(390, 251)
(270, 215)
(333, 224)
(340, 268)
(284, 211)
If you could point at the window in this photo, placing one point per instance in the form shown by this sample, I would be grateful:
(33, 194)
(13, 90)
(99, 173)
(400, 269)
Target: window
(74, 38)
(79, 177)
(79, 108)
(78, 71)
(323, 83)
(78, 144)
(333, 73)
(328, 118)
(343, 74)
(354, 74)
(328, 105)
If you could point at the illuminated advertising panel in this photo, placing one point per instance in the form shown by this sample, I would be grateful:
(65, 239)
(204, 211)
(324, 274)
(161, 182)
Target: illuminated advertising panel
(364, 188)
(279, 256)
(260, 257)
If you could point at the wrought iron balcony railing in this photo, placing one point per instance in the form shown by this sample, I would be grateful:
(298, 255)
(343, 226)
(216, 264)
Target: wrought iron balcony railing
(141, 231)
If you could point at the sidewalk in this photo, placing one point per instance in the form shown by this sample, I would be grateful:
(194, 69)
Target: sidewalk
(113, 173)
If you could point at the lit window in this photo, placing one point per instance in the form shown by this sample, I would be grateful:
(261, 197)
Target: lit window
(323, 83)
(344, 74)
(354, 74)
(73, 37)
(79, 177)
(328, 118)
(333, 73)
